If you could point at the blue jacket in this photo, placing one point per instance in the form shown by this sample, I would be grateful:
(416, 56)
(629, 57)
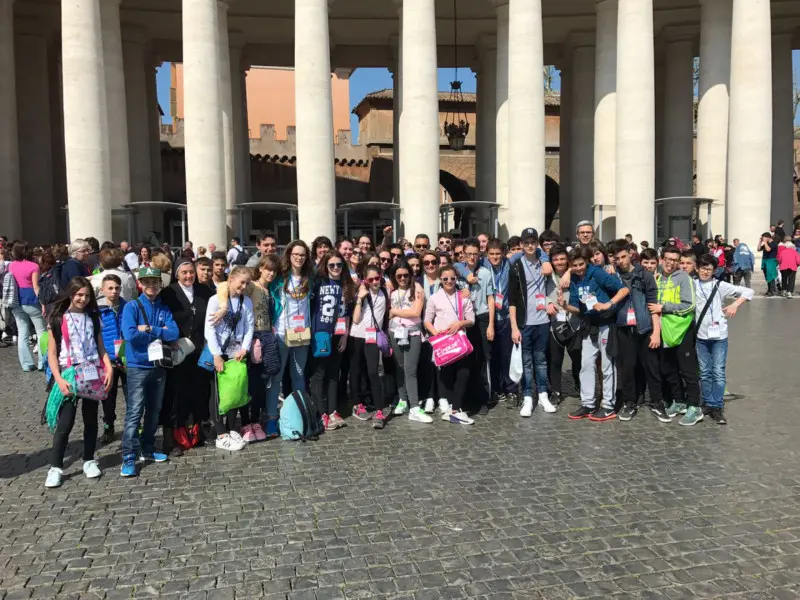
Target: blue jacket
(599, 283)
(743, 259)
(112, 327)
(643, 290)
(136, 342)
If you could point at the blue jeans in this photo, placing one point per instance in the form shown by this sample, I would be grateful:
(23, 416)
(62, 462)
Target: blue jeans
(534, 357)
(29, 319)
(145, 394)
(298, 356)
(712, 355)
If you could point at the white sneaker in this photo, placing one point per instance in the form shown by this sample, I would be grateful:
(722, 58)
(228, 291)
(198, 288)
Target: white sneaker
(226, 442)
(430, 406)
(545, 403)
(460, 417)
(54, 478)
(527, 407)
(417, 414)
(91, 469)
(237, 438)
(401, 408)
(444, 406)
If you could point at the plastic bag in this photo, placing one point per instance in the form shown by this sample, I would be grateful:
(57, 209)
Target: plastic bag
(232, 386)
(515, 368)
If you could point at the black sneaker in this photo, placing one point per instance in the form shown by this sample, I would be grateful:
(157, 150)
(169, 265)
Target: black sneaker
(581, 413)
(512, 401)
(483, 410)
(498, 398)
(108, 434)
(555, 398)
(661, 414)
(718, 416)
(628, 412)
(603, 414)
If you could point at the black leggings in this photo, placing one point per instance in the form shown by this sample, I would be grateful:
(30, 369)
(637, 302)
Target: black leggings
(453, 380)
(365, 357)
(66, 421)
(325, 378)
(426, 374)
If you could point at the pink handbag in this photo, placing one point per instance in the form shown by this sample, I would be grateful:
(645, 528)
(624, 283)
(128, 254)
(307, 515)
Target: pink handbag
(87, 385)
(451, 347)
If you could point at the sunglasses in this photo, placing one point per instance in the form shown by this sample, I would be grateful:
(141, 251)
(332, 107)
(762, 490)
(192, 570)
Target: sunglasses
(373, 279)
(448, 279)
(422, 246)
(401, 275)
(428, 263)
(335, 265)
(397, 254)
(385, 258)
(445, 243)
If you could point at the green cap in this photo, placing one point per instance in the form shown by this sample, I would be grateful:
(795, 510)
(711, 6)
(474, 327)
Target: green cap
(149, 272)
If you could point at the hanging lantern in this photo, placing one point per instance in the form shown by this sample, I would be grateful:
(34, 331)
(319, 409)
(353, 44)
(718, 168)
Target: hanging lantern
(456, 123)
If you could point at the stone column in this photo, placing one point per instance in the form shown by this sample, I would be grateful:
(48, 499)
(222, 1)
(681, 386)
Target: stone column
(316, 179)
(487, 122)
(397, 94)
(526, 114)
(154, 127)
(782, 128)
(133, 54)
(419, 127)
(241, 139)
(118, 162)
(226, 114)
(750, 127)
(35, 137)
(56, 106)
(581, 147)
(566, 221)
(635, 165)
(10, 202)
(605, 114)
(712, 110)
(678, 126)
(501, 123)
(205, 170)
(85, 120)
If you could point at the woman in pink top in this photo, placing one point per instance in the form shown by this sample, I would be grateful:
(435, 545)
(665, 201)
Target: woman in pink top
(441, 316)
(788, 261)
(28, 314)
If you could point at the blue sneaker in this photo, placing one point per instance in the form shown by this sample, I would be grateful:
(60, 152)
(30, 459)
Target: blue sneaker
(128, 466)
(272, 428)
(155, 456)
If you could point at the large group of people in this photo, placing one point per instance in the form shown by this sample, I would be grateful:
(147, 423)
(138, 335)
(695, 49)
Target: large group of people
(208, 344)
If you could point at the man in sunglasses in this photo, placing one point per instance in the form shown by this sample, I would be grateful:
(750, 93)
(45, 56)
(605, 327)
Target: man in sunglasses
(396, 251)
(421, 243)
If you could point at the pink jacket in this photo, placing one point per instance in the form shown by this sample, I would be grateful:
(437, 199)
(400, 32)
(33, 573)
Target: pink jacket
(788, 258)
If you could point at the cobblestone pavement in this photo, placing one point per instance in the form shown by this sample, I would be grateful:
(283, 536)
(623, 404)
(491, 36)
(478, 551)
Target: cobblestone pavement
(508, 508)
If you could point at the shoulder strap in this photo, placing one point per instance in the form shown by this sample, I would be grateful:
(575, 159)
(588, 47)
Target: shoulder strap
(708, 303)
(144, 314)
(371, 309)
(460, 312)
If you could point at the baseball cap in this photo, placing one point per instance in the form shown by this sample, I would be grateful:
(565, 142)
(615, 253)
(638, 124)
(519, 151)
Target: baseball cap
(149, 273)
(529, 232)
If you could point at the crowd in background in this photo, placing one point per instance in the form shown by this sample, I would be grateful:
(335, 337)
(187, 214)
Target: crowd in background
(351, 330)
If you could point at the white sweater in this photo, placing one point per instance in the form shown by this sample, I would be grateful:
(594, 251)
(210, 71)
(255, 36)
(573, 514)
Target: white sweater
(714, 314)
(217, 335)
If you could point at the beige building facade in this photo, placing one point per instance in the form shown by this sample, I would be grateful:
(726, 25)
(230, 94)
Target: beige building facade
(626, 133)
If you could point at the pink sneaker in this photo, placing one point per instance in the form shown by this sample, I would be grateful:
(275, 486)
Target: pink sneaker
(258, 431)
(248, 435)
(326, 422)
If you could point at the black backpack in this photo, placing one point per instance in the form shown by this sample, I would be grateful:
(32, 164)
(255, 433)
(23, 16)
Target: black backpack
(50, 284)
(241, 258)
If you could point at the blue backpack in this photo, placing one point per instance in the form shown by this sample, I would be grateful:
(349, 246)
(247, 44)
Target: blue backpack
(299, 418)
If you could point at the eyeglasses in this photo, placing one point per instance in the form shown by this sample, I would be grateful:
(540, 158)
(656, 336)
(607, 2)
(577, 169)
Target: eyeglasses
(373, 279)
(448, 279)
(401, 275)
(335, 265)
(428, 263)
(422, 246)
(671, 260)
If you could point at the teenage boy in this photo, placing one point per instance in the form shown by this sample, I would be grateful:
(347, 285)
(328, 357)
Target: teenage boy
(111, 305)
(482, 332)
(267, 244)
(595, 295)
(648, 258)
(204, 267)
(529, 286)
(146, 322)
(499, 268)
(555, 351)
(676, 305)
(688, 263)
(638, 335)
(712, 333)
(218, 266)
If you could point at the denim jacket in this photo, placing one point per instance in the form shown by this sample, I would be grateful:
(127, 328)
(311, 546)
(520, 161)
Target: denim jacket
(643, 290)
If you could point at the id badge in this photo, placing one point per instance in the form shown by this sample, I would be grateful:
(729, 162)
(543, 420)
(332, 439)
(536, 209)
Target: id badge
(401, 333)
(90, 372)
(631, 317)
(118, 347)
(499, 299)
(590, 300)
(298, 323)
(372, 335)
(540, 303)
(155, 351)
(341, 326)
(713, 331)
(561, 316)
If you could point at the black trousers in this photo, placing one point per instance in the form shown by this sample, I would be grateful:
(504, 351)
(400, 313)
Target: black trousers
(186, 394)
(681, 364)
(110, 403)
(555, 363)
(482, 356)
(633, 354)
(787, 277)
(325, 378)
(66, 421)
(364, 362)
(453, 381)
